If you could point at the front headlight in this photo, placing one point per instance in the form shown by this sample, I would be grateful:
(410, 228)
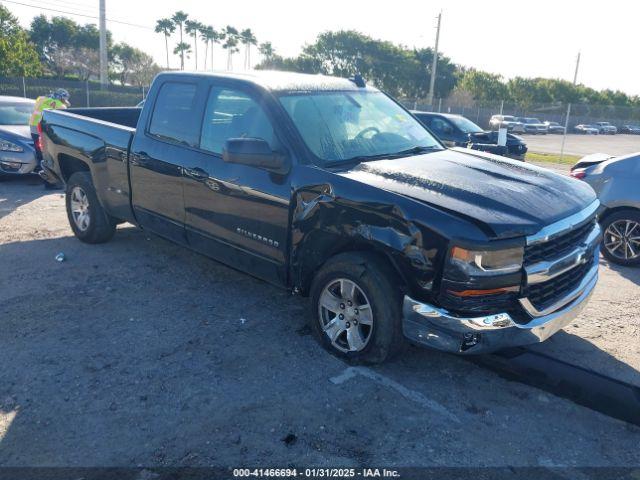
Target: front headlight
(487, 262)
(7, 146)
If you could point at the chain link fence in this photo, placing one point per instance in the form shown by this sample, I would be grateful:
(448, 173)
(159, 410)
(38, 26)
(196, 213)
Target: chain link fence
(83, 94)
(580, 113)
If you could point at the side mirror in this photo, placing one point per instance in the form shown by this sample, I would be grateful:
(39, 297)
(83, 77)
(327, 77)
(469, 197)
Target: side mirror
(254, 152)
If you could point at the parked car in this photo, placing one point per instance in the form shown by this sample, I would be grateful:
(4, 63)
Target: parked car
(631, 129)
(585, 129)
(506, 121)
(533, 126)
(458, 131)
(554, 127)
(605, 128)
(331, 189)
(615, 181)
(17, 152)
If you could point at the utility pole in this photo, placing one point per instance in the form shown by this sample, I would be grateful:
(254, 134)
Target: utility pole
(104, 79)
(434, 64)
(566, 120)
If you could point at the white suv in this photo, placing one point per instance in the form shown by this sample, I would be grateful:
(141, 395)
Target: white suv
(507, 121)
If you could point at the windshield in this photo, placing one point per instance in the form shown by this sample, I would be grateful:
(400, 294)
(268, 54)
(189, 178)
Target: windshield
(15, 113)
(345, 126)
(466, 125)
(507, 118)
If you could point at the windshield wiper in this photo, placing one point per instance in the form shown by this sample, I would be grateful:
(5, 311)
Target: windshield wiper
(415, 151)
(380, 156)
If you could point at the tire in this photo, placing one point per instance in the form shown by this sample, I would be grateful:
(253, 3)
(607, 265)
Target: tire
(621, 230)
(377, 286)
(97, 226)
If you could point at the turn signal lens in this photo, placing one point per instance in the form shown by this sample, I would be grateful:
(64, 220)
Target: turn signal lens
(578, 173)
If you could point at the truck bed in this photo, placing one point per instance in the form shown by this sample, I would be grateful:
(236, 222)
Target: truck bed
(99, 137)
(125, 116)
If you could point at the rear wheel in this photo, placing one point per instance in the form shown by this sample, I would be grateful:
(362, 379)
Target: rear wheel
(621, 238)
(357, 308)
(88, 220)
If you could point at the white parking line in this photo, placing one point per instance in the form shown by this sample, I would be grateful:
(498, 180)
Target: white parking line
(409, 394)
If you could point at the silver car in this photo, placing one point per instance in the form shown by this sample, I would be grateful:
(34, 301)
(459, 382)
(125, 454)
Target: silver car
(17, 152)
(615, 180)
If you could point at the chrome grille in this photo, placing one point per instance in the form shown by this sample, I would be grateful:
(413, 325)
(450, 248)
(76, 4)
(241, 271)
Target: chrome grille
(557, 246)
(557, 261)
(542, 295)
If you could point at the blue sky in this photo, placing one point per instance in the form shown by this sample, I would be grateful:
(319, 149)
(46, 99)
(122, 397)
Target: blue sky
(535, 38)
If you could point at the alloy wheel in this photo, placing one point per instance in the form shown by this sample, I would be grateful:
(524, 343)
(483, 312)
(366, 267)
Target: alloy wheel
(622, 239)
(346, 316)
(80, 208)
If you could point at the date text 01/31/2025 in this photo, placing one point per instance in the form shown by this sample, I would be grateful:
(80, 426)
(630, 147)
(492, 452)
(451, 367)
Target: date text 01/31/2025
(315, 473)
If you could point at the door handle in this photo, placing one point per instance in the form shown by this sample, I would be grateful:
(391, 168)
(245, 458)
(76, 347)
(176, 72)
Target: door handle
(196, 173)
(139, 158)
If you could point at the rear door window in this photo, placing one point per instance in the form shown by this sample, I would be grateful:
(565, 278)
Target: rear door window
(174, 119)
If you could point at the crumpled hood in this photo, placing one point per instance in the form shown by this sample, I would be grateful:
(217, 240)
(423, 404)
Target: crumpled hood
(508, 197)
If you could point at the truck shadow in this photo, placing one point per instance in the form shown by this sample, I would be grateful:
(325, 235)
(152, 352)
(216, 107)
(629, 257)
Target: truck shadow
(141, 352)
(17, 191)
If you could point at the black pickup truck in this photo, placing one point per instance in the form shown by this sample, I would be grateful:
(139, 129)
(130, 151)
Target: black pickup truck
(330, 188)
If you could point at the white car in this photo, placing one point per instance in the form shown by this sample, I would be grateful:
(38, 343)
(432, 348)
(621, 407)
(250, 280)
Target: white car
(533, 126)
(506, 121)
(585, 129)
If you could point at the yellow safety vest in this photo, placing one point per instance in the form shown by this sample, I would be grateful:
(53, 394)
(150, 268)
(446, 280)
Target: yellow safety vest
(44, 103)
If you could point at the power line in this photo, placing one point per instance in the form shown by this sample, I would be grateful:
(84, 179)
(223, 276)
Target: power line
(77, 14)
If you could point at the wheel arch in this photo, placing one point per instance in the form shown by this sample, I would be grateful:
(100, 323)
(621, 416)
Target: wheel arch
(70, 165)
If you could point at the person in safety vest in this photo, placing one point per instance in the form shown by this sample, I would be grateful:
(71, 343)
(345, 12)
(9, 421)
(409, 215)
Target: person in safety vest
(59, 99)
(56, 100)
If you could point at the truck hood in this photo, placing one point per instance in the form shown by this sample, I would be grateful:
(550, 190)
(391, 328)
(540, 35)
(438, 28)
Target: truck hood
(508, 198)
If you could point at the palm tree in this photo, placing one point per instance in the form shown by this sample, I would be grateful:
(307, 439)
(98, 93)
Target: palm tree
(166, 27)
(247, 38)
(182, 49)
(230, 36)
(267, 52)
(178, 19)
(208, 35)
(192, 28)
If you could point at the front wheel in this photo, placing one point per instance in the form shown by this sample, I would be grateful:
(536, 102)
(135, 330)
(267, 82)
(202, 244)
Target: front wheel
(88, 220)
(621, 238)
(357, 308)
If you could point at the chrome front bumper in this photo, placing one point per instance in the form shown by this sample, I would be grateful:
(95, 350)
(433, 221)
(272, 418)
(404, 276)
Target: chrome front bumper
(434, 327)
(431, 326)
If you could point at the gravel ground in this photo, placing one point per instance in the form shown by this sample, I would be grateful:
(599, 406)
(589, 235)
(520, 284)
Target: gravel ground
(584, 144)
(139, 352)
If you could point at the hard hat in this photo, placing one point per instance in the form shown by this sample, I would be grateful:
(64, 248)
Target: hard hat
(60, 94)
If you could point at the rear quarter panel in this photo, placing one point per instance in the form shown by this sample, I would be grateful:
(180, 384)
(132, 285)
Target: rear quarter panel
(102, 146)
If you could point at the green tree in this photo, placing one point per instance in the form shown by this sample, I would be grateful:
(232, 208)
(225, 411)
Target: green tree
(484, 87)
(166, 27)
(230, 37)
(58, 40)
(247, 38)
(183, 49)
(268, 53)
(193, 28)
(133, 66)
(209, 36)
(18, 56)
(178, 19)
